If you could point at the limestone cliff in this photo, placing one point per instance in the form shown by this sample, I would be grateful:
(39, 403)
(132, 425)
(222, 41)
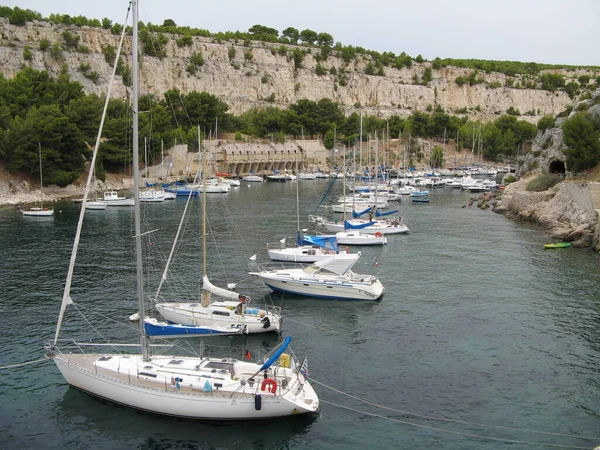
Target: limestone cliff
(269, 78)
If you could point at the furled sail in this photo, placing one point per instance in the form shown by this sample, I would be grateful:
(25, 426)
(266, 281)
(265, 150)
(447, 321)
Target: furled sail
(208, 286)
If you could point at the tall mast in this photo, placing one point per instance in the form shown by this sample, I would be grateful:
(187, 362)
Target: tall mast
(205, 299)
(136, 183)
(41, 182)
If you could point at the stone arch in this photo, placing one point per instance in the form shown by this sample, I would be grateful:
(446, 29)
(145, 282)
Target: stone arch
(557, 167)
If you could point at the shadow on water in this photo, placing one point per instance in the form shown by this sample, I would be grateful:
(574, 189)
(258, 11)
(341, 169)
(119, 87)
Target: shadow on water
(97, 423)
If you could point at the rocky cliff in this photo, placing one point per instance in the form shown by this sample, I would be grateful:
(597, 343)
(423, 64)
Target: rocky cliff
(260, 74)
(566, 211)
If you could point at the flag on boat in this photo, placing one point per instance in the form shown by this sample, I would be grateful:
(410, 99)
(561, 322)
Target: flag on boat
(304, 367)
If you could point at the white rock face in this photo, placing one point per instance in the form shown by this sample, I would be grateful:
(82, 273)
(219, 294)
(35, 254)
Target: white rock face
(269, 78)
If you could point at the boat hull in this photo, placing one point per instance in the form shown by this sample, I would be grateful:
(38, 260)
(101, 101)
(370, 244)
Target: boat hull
(120, 380)
(333, 290)
(299, 254)
(355, 238)
(196, 314)
(38, 212)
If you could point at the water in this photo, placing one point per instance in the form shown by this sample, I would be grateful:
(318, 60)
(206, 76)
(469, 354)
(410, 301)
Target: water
(478, 324)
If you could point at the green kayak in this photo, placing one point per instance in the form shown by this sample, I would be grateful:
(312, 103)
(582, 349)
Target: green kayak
(558, 245)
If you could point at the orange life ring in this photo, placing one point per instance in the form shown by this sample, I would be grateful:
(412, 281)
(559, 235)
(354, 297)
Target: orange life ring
(271, 383)
(378, 234)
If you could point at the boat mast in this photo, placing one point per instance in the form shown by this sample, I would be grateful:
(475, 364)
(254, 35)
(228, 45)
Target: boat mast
(136, 184)
(41, 182)
(205, 297)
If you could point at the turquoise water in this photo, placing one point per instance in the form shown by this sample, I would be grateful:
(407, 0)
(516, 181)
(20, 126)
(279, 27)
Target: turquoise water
(479, 324)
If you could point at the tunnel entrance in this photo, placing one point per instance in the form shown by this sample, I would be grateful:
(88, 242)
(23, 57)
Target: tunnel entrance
(557, 167)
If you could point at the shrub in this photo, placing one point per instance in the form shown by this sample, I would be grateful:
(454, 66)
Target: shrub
(44, 44)
(460, 80)
(184, 41)
(509, 179)
(238, 136)
(27, 54)
(231, 52)
(248, 55)
(494, 85)
(71, 40)
(543, 182)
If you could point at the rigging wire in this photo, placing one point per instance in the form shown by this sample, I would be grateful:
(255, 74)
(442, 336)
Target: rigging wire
(443, 419)
(458, 433)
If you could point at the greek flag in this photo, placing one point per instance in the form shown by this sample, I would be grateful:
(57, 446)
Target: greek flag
(304, 367)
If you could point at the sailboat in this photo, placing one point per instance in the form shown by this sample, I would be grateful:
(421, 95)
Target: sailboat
(307, 248)
(41, 211)
(233, 310)
(176, 385)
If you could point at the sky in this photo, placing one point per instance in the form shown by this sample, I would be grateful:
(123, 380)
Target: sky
(541, 31)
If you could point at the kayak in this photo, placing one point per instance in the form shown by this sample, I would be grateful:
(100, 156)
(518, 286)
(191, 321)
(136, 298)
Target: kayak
(558, 245)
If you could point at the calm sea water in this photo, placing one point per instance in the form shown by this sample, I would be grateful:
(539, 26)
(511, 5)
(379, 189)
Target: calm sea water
(479, 325)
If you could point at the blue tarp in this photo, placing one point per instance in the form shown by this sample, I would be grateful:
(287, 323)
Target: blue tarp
(252, 171)
(349, 226)
(381, 214)
(328, 242)
(275, 171)
(357, 215)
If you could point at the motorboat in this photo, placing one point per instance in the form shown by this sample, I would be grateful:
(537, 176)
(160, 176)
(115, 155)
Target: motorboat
(330, 278)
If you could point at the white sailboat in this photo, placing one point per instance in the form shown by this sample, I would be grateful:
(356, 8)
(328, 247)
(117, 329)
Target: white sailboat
(308, 249)
(174, 385)
(233, 310)
(41, 211)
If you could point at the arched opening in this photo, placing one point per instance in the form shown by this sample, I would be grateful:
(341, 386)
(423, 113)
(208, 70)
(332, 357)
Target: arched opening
(557, 167)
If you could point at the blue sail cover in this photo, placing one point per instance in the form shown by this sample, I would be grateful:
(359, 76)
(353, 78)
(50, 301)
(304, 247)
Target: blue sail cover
(381, 214)
(171, 330)
(275, 171)
(356, 215)
(277, 354)
(328, 242)
(349, 226)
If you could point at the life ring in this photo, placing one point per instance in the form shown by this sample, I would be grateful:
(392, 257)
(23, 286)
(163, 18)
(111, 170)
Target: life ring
(271, 383)
(378, 234)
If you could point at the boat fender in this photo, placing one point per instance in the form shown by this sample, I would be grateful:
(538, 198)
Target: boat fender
(378, 234)
(257, 402)
(266, 322)
(271, 383)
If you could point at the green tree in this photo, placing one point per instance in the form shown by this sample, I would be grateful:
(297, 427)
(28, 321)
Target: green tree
(263, 32)
(546, 122)
(582, 137)
(552, 81)
(308, 36)
(324, 39)
(292, 34)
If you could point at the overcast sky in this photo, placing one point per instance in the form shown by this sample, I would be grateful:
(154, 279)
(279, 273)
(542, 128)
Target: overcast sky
(543, 31)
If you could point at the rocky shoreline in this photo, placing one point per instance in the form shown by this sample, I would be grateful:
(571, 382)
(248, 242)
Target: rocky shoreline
(566, 211)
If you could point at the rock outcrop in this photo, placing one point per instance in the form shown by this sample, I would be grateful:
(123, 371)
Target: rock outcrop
(261, 74)
(566, 211)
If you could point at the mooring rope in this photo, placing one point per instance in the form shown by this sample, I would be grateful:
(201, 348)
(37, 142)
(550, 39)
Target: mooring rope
(443, 419)
(459, 433)
(23, 363)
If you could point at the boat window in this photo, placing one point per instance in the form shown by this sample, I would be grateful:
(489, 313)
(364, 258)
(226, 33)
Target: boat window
(105, 358)
(176, 361)
(221, 313)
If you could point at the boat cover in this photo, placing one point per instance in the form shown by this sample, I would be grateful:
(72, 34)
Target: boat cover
(381, 214)
(339, 264)
(328, 242)
(356, 215)
(349, 226)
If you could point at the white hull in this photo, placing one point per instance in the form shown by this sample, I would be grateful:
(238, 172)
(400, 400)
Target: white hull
(349, 207)
(152, 195)
(147, 386)
(295, 281)
(253, 179)
(37, 212)
(196, 314)
(304, 254)
(356, 238)
(382, 227)
(96, 206)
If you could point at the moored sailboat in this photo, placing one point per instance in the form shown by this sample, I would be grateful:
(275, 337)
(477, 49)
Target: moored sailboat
(176, 385)
(39, 211)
